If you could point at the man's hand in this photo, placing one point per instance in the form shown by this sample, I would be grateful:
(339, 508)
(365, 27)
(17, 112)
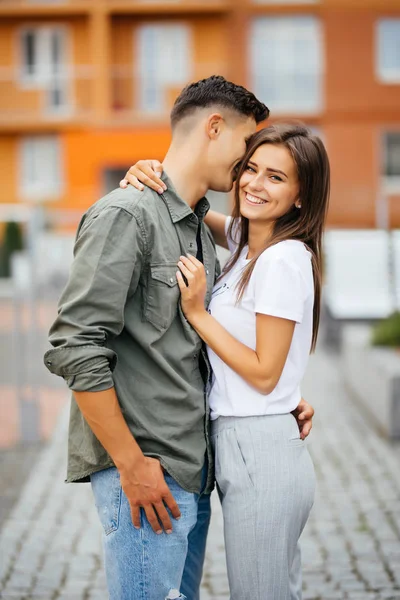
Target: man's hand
(142, 477)
(304, 414)
(145, 487)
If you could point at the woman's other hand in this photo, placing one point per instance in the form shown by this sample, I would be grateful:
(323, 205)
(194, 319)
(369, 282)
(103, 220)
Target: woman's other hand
(147, 172)
(193, 293)
(304, 414)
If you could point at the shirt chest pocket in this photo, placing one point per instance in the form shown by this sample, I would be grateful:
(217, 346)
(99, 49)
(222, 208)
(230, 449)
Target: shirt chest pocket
(161, 295)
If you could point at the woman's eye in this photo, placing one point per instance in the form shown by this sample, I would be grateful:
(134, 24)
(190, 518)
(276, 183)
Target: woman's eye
(248, 168)
(276, 178)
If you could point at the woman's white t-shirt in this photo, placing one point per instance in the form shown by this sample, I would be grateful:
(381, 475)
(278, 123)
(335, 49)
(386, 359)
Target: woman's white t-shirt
(281, 285)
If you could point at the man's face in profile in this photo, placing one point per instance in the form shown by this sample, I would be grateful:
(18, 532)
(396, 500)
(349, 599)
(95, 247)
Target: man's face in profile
(227, 151)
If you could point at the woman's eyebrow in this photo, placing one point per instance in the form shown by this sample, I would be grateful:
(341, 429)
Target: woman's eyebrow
(277, 171)
(254, 164)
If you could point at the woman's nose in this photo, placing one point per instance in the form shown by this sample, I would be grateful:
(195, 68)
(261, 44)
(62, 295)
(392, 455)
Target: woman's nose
(257, 183)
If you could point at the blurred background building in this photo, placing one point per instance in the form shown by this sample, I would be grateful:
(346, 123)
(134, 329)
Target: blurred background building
(86, 87)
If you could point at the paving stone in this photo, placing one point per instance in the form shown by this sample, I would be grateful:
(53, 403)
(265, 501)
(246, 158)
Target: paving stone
(50, 543)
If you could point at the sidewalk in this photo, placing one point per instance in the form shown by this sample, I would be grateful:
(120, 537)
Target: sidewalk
(50, 546)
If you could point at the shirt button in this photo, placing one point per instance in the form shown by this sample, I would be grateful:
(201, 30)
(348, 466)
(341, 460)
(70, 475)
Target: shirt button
(171, 280)
(207, 271)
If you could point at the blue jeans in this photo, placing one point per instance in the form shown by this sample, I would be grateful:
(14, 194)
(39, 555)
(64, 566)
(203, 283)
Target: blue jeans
(141, 565)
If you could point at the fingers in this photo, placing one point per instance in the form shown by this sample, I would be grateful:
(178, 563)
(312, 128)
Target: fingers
(172, 505)
(305, 409)
(163, 516)
(186, 271)
(306, 414)
(192, 263)
(156, 513)
(182, 285)
(135, 513)
(305, 429)
(193, 260)
(134, 181)
(152, 519)
(144, 172)
(302, 416)
(157, 167)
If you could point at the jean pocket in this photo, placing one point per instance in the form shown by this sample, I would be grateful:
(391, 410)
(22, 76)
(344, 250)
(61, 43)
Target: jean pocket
(107, 493)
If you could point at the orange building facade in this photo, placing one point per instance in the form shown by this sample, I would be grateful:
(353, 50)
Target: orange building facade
(86, 87)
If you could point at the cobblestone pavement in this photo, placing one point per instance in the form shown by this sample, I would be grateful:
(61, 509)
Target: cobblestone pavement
(15, 466)
(50, 545)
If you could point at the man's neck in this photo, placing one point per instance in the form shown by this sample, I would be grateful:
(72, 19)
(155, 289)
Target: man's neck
(184, 174)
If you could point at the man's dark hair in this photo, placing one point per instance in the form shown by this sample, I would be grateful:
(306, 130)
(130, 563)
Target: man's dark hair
(216, 90)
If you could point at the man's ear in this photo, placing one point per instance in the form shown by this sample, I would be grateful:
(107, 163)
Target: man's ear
(214, 125)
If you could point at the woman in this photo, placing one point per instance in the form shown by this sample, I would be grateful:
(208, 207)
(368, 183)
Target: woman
(260, 327)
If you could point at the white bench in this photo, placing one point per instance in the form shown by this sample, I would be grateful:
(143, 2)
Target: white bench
(358, 278)
(395, 254)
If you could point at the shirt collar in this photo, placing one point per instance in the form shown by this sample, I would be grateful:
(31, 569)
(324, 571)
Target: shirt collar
(178, 208)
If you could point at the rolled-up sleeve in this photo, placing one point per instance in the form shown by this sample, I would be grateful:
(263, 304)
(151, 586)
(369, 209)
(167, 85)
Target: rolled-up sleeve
(108, 258)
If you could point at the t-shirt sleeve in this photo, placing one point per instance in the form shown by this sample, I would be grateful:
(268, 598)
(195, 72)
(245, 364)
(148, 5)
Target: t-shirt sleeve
(280, 288)
(234, 238)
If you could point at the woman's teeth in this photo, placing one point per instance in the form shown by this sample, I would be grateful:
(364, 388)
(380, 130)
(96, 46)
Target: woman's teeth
(254, 199)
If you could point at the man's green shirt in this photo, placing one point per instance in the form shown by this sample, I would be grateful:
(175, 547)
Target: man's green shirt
(120, 324)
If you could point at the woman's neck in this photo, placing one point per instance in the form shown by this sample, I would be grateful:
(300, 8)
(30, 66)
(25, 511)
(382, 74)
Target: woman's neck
(259, 234)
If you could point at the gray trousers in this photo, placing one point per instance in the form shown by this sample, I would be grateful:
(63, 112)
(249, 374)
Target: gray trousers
(266, 481)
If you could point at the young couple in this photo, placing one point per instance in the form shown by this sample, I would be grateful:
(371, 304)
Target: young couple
(153, 341)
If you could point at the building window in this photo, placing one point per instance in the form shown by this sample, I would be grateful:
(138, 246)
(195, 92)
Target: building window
(44, 64)
(388, 50)
(40, 167)
(391, 161)
(286, 63)
(111, 178)
(163, 64)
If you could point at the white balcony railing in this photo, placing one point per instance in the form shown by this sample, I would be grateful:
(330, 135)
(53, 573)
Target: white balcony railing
(66, 96)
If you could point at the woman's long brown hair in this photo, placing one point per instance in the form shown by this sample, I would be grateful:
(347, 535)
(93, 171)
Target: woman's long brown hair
(305, 224)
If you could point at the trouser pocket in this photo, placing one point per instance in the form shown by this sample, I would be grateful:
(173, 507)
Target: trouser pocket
(107, 493)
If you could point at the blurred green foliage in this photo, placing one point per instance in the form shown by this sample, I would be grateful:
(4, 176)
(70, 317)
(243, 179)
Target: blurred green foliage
(387, 331)
(12, 241)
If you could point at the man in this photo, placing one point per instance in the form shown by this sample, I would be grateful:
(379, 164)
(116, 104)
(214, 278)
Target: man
(139, 427)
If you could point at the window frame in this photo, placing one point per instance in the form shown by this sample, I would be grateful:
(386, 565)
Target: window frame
(161, 108)
(40, 190)
(384, 75)
(44, 80)
(317, 104)
(391, 183)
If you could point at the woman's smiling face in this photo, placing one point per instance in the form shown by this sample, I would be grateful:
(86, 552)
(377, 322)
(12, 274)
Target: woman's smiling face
(269, 186)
